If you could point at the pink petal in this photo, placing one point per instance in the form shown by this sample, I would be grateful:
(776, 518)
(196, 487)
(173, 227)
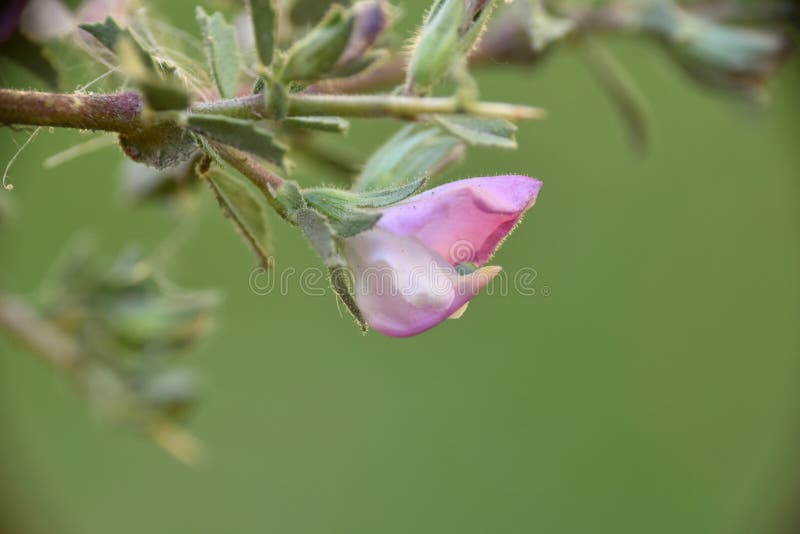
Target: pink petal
(402, 287)
(466, 220)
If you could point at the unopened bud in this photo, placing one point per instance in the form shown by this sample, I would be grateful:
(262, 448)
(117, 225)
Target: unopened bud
(314, 55)
(449, 32)
(371, 20)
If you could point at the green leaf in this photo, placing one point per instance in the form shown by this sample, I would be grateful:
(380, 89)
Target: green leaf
(317, 52)
(247, 210)
(160, 94)
(239, 133)
(221, 51)
(364, 199)
(413, 152)
(322, 124)
(265, 23)
(346, 220)
(107, 32)
(31, 56)
(110, 35)
(480, 131)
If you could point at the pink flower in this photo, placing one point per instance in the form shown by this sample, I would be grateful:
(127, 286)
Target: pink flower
(406, 269)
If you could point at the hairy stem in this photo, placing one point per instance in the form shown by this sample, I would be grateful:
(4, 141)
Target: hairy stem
(252, 169)
(399, 107)
(120, 112)
(123, 112)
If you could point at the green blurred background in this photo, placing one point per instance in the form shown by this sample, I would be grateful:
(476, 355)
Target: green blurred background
(654, 389)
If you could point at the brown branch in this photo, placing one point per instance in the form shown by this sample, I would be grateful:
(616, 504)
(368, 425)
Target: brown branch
(120, 112)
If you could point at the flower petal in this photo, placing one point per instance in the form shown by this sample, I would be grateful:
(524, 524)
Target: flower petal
(402, 287)
(466, 220)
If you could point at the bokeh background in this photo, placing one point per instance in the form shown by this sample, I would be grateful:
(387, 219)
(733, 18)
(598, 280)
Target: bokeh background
(649, 386)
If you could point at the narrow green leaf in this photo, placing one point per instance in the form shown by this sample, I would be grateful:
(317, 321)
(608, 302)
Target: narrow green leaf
(221, 51)
(480, 131)
(322, 124)
(247, 210)
(31, 56)
(239, 133)
(411, 153)
(264, 28)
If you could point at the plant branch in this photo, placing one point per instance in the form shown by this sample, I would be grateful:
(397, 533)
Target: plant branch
(25, 326)
(120, 112)
(380, 105)
(123, 112)
(35, 333)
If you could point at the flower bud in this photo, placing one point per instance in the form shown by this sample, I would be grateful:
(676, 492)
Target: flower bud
(314, 55)
(371, 20)
(407, 269)
(448, 34)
